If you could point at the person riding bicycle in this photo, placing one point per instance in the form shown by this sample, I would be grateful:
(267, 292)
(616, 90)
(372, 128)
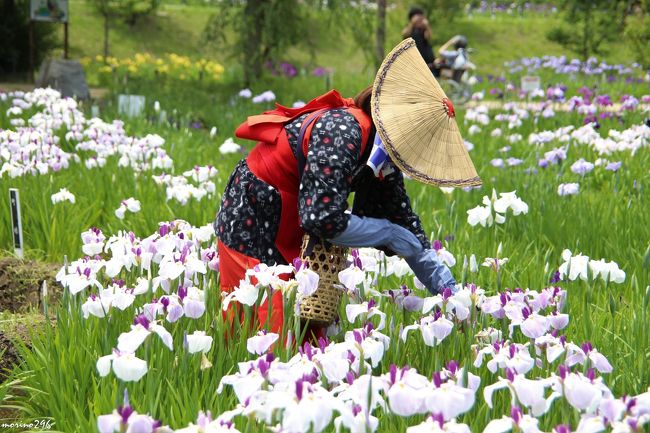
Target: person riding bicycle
(447, 58)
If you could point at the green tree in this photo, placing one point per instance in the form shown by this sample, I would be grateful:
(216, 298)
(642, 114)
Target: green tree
(367, 23)
(442, 12)
(14, 38)
(262, 30)
(128, 10)
(637, 32)
(131, 11)
(589, 24)
(360, 22)
(380, 33)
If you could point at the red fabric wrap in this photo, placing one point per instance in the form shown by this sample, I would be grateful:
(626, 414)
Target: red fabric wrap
(232, 267)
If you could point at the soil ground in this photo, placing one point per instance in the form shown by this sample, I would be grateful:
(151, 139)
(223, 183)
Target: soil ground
(21, 314)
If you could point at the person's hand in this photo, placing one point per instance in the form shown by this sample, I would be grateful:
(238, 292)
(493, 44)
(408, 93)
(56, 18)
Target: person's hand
(416, 20)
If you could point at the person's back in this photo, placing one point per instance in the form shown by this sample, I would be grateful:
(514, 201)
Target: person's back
(418, 29)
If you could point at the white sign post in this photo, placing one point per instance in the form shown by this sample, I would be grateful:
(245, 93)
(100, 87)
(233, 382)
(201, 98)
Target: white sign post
(130, 105)
(530, 83)
(14, 200)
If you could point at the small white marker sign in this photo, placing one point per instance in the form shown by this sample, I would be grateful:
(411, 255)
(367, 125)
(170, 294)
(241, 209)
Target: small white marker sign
(530, 83)
(14, 201)
(130, 105)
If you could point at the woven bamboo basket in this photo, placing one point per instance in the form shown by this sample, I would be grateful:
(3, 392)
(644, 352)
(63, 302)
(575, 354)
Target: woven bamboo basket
(321, 308)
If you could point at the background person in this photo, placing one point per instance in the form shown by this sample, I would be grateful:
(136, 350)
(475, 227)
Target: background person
(418, 28)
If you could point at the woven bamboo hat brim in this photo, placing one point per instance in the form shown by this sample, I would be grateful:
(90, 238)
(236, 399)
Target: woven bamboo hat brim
(416, 121)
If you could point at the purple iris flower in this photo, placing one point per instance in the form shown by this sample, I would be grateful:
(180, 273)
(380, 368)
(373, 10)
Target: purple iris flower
(164, 229)
(299, 389)
(439, 418)
(437, 379)
(563, 371)
(263, 367)
(125, 412)
(323, 343)
(591, 374)
(556, 277)
(412, 303)
(452, 366)
(604, 100)
(496, 92)
(586, 93)
(141, 320)
(515, 414)
(288, 69)
(393, 374)
(356, 260)
(319, 71)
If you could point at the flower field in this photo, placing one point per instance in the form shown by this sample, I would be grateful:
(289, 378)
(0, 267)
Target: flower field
(547, 330)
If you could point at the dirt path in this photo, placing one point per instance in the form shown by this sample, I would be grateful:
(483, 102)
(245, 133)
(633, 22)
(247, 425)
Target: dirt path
(498, 105)
(21, 304)
(21, 283)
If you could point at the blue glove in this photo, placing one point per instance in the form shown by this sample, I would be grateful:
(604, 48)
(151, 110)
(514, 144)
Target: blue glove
(376, 232)
(431, 272)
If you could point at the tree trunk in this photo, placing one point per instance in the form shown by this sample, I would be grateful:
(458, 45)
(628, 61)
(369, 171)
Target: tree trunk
(586, 35)
(105, 36)
(380, 36)
(252, 47)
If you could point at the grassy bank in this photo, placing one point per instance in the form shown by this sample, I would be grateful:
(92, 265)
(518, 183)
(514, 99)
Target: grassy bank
(178, 28)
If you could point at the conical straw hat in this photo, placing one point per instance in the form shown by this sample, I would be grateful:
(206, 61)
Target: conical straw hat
(416, 121)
